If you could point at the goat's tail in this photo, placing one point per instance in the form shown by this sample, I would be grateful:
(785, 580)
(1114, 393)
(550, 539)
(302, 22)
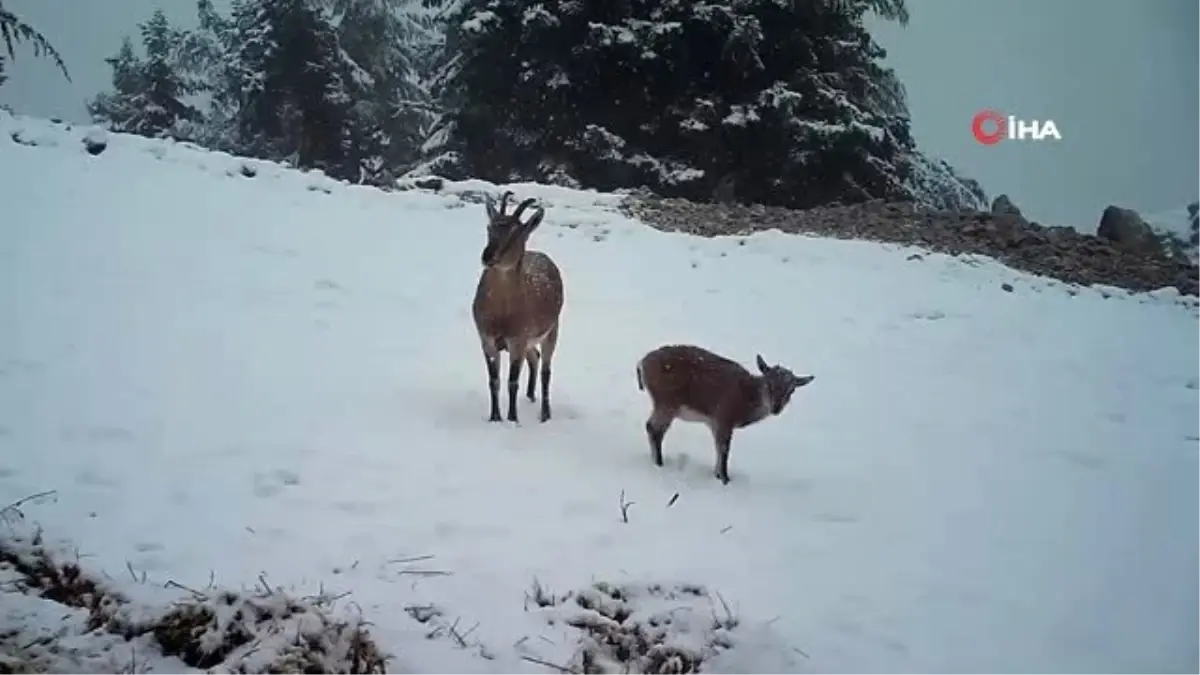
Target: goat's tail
(640, 381)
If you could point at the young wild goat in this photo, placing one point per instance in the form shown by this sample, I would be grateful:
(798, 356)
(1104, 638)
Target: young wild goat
(696, 385)
(517, 304)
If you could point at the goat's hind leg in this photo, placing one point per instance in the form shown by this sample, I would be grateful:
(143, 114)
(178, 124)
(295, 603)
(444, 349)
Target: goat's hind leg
(531, 359)
(549, 344)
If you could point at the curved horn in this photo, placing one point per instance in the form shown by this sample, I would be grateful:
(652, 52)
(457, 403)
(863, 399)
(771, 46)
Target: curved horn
(522, 206)
(504, 200)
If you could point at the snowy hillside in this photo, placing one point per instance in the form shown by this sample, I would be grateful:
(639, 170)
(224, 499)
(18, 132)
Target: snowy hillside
(233, 372)
(1176, 227)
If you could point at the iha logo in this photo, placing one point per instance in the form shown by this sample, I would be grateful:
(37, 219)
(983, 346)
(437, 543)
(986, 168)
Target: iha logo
(990, 127)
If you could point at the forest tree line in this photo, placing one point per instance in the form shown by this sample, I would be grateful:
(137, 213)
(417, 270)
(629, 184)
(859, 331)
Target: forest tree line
(785, 103)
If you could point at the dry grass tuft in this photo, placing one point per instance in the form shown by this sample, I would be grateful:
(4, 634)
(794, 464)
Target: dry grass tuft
(638, 628)
(220, 630)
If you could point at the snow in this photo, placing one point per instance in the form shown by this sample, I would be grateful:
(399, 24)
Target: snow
(478, 23)
(277, 375)
(1176, 225)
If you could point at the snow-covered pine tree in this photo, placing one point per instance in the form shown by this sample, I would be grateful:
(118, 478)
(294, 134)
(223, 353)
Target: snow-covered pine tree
(118, 109)
(755, 100)
(392, 112)
(291, 83)
(148, 96)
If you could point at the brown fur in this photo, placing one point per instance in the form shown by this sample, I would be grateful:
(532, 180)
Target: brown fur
(696, 385)
(517, 305)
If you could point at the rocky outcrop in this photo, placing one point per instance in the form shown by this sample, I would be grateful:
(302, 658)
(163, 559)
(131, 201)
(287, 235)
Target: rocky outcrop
(1126, 229)
(1059, 252)
(1003, 206)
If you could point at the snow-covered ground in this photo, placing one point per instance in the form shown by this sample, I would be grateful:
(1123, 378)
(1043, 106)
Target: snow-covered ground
(226, 376)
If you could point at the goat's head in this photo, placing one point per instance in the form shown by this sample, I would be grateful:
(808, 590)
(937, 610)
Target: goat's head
(506, 233)
(780, 383)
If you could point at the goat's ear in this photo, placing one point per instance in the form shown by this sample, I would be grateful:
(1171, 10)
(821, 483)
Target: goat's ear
(804, 380)
(535, 220)
(762, 365)
(490, 204)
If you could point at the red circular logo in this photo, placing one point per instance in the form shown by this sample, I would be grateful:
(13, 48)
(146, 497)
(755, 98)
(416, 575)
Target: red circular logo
(989, 127)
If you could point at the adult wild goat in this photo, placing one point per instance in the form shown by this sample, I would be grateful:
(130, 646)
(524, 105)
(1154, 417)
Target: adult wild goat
(517, 304)
(696, 385)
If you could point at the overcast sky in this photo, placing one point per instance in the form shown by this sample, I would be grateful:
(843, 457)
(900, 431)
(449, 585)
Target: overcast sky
(1118, 77)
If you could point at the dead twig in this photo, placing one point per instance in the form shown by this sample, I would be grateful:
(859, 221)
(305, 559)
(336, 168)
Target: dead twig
(15, 507)
(625, 507)
(403, 561)
(730, 620)
(453, 630)
(262, 579)
(561, 669)
(674, 498)
(171, 583)
(426, 573)
(136, 579)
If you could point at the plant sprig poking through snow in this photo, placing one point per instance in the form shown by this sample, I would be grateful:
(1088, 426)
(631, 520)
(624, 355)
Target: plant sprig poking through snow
(638, 628)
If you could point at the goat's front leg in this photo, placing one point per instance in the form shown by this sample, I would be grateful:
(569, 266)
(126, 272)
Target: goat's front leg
(491, 356)
(722, 438)
(516, 356)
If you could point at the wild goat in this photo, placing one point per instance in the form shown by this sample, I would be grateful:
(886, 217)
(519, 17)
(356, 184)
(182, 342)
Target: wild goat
(696, 385)
(517, 304)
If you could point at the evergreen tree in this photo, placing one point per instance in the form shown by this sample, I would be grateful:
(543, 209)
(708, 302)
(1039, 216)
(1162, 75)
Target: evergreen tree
(148, 93)
(391, 112)
(118, 109)
(754, 100)
(320, 83)
(206, 60)
(290, 82)
(14, 30)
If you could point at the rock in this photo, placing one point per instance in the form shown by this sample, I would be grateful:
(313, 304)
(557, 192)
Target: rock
(1062, 253)
(1003, 206)
(1007, 287)
(1126, 229)
(95, 141)
(430, 183)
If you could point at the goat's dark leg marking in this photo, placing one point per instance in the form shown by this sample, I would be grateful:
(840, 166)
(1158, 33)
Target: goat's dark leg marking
(491, 357)
(515, 358)
(548, 346)
(722, 437)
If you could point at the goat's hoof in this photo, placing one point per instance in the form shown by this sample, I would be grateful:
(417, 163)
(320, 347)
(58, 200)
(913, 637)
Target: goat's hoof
(532, 398)
(545, 416)
(495, 417)
(512, 417)
(723, 478)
